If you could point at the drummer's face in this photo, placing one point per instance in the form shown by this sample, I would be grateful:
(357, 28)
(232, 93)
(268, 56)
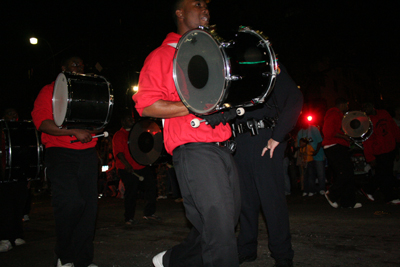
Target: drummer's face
(74, 64)
(193, 14)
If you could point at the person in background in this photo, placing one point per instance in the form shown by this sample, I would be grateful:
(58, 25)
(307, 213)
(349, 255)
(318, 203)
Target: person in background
(72, 169)
(317, 166)
(306, 152)
(13, 197)
(131, 173)
(380, 150)
(336, 147)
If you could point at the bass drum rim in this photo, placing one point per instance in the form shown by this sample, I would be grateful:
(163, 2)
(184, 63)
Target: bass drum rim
(212, 70)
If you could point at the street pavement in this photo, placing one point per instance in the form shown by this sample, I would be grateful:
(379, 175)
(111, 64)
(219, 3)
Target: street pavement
(321, 235)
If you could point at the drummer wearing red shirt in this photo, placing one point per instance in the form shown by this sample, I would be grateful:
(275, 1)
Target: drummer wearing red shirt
(206, 172)
(72, 169)
(131, 173)
(380, 151)
(336, 147)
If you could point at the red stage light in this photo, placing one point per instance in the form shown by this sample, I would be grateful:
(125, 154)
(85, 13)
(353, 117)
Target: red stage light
(309, 118)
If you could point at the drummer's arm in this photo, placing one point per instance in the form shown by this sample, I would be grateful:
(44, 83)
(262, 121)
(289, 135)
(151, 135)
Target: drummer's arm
(49, 127)
(165, 109)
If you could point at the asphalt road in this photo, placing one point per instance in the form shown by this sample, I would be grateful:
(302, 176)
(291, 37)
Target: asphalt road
(321, 235)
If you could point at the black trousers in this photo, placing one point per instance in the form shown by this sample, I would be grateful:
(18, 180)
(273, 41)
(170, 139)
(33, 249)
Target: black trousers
(383, 177)
(73, 175)
(12, 202)
(343, 188)
(209, 184)
(262, 186)
(131, 183)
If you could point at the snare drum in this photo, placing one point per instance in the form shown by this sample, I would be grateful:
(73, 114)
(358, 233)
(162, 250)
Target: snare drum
(82, 101)
(211, 75)
(20, 151)
(146, 143)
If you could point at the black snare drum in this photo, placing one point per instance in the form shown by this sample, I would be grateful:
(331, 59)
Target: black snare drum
(20, 152)
(146, 143)
(211, 75)
(82, 101)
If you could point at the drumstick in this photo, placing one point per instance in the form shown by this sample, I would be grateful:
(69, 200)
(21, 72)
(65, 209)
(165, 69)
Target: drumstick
(105, 134)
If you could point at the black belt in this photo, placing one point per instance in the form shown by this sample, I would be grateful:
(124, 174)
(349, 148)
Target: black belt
(229, 144)
(253, 126)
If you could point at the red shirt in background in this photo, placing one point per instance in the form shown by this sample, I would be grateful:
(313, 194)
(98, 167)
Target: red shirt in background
(384, 136)
(120, 145)
(333, 125)
(43, 110)
(156, 83)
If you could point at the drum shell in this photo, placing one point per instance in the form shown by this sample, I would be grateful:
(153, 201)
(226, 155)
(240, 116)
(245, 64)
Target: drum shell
(146, 144)
(21, 153)
(210, 76)
(87, 102)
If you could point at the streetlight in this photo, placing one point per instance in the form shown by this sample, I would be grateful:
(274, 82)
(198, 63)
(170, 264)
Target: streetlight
(34, 41)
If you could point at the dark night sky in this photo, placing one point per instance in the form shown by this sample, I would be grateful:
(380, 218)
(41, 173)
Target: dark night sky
(120, 34)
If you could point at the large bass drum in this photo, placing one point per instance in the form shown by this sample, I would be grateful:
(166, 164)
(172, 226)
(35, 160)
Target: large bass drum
(211, 75)
(146, 143)
(20, 152)
(82, 101)
(357, 125)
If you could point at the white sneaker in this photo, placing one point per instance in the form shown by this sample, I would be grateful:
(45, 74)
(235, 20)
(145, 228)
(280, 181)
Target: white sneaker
(59, 264)
(19, 241)
(394, 202)
(357, 205)
(305, 194)
(157, 260)
(333, 204)
(310, 194)
(5, 245)
(322, 192)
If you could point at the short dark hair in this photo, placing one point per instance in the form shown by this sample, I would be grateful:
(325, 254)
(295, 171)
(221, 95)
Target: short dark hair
(176, 4)
(340, 100)
(65, 59)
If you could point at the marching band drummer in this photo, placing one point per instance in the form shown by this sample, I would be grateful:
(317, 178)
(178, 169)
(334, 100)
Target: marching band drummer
(206, 171)
(73, 171)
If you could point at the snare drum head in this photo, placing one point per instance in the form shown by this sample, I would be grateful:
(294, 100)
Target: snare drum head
(60, 99)
(146, 142)
(199, 71)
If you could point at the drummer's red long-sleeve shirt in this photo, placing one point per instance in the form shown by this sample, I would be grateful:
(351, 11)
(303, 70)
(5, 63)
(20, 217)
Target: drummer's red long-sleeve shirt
(43, 110)
(156, 83)
(120, 145)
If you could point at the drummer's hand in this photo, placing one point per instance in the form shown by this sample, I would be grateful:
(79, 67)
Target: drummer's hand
(219, 117)
(82, 135)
